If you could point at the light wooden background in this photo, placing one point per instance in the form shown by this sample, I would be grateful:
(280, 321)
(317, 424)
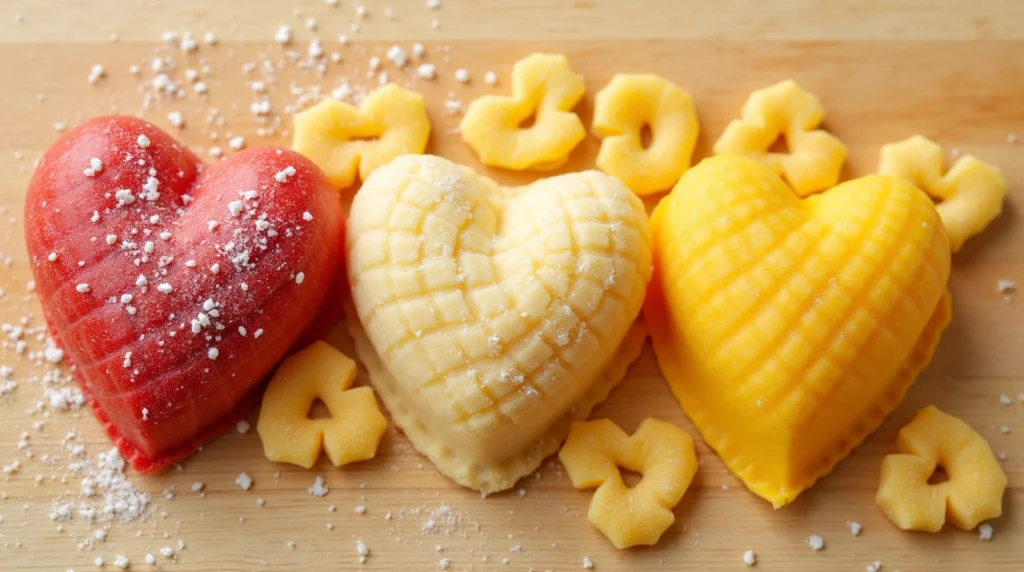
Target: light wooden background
(951, 70)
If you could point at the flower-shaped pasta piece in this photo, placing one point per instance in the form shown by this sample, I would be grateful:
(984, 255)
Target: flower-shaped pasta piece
(545, 88)
(973, 493)
(660, 451)
(815, 157)
(342, 139)
(971, 192)
(621, 111)
(289, 435)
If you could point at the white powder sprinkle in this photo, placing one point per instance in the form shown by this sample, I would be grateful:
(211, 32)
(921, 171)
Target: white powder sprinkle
(285, 175)
(127, 360)
(444, 563)
(1004, 399)
(212, 353)
(283, 35)
(82, 288)
(491, 78)
(235, 207)
(749, 558)
(237, 143)
(176, 119)
(461, 75)
(426, 71)
(95, 167)
(142, 141)
(96, 72)
(242, 427)
(855, 527)
(453, 106)
(106, 494)
(53, 354)
(244, 480)
(188, 43)
(985, 531)
(342, 92)
(124, 197)
(815, 542)
(316, 49)
(121, 561)
(141, 281)
(300, 277)
(1006, 286)
(150, 189)
(257, 333)
(397, 56)
(588, 563)
(165, 288)
(318, 488)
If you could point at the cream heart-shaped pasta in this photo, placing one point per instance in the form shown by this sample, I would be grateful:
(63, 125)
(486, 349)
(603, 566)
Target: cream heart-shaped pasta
(490, 317)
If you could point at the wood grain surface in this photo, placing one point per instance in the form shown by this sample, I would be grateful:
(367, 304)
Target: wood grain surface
(950, 70)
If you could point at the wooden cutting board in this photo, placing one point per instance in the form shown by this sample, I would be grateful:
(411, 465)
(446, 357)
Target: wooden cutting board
(884, 71)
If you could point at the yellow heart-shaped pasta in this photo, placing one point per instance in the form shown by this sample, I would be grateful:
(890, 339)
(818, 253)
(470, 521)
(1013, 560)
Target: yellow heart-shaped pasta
(343, 140)
(545, 88)
(789, 328)
(489, 318)
(815, 157)
(660, 451)
(972, 494)
(290, 436)
(971, 192)
(621, 111)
